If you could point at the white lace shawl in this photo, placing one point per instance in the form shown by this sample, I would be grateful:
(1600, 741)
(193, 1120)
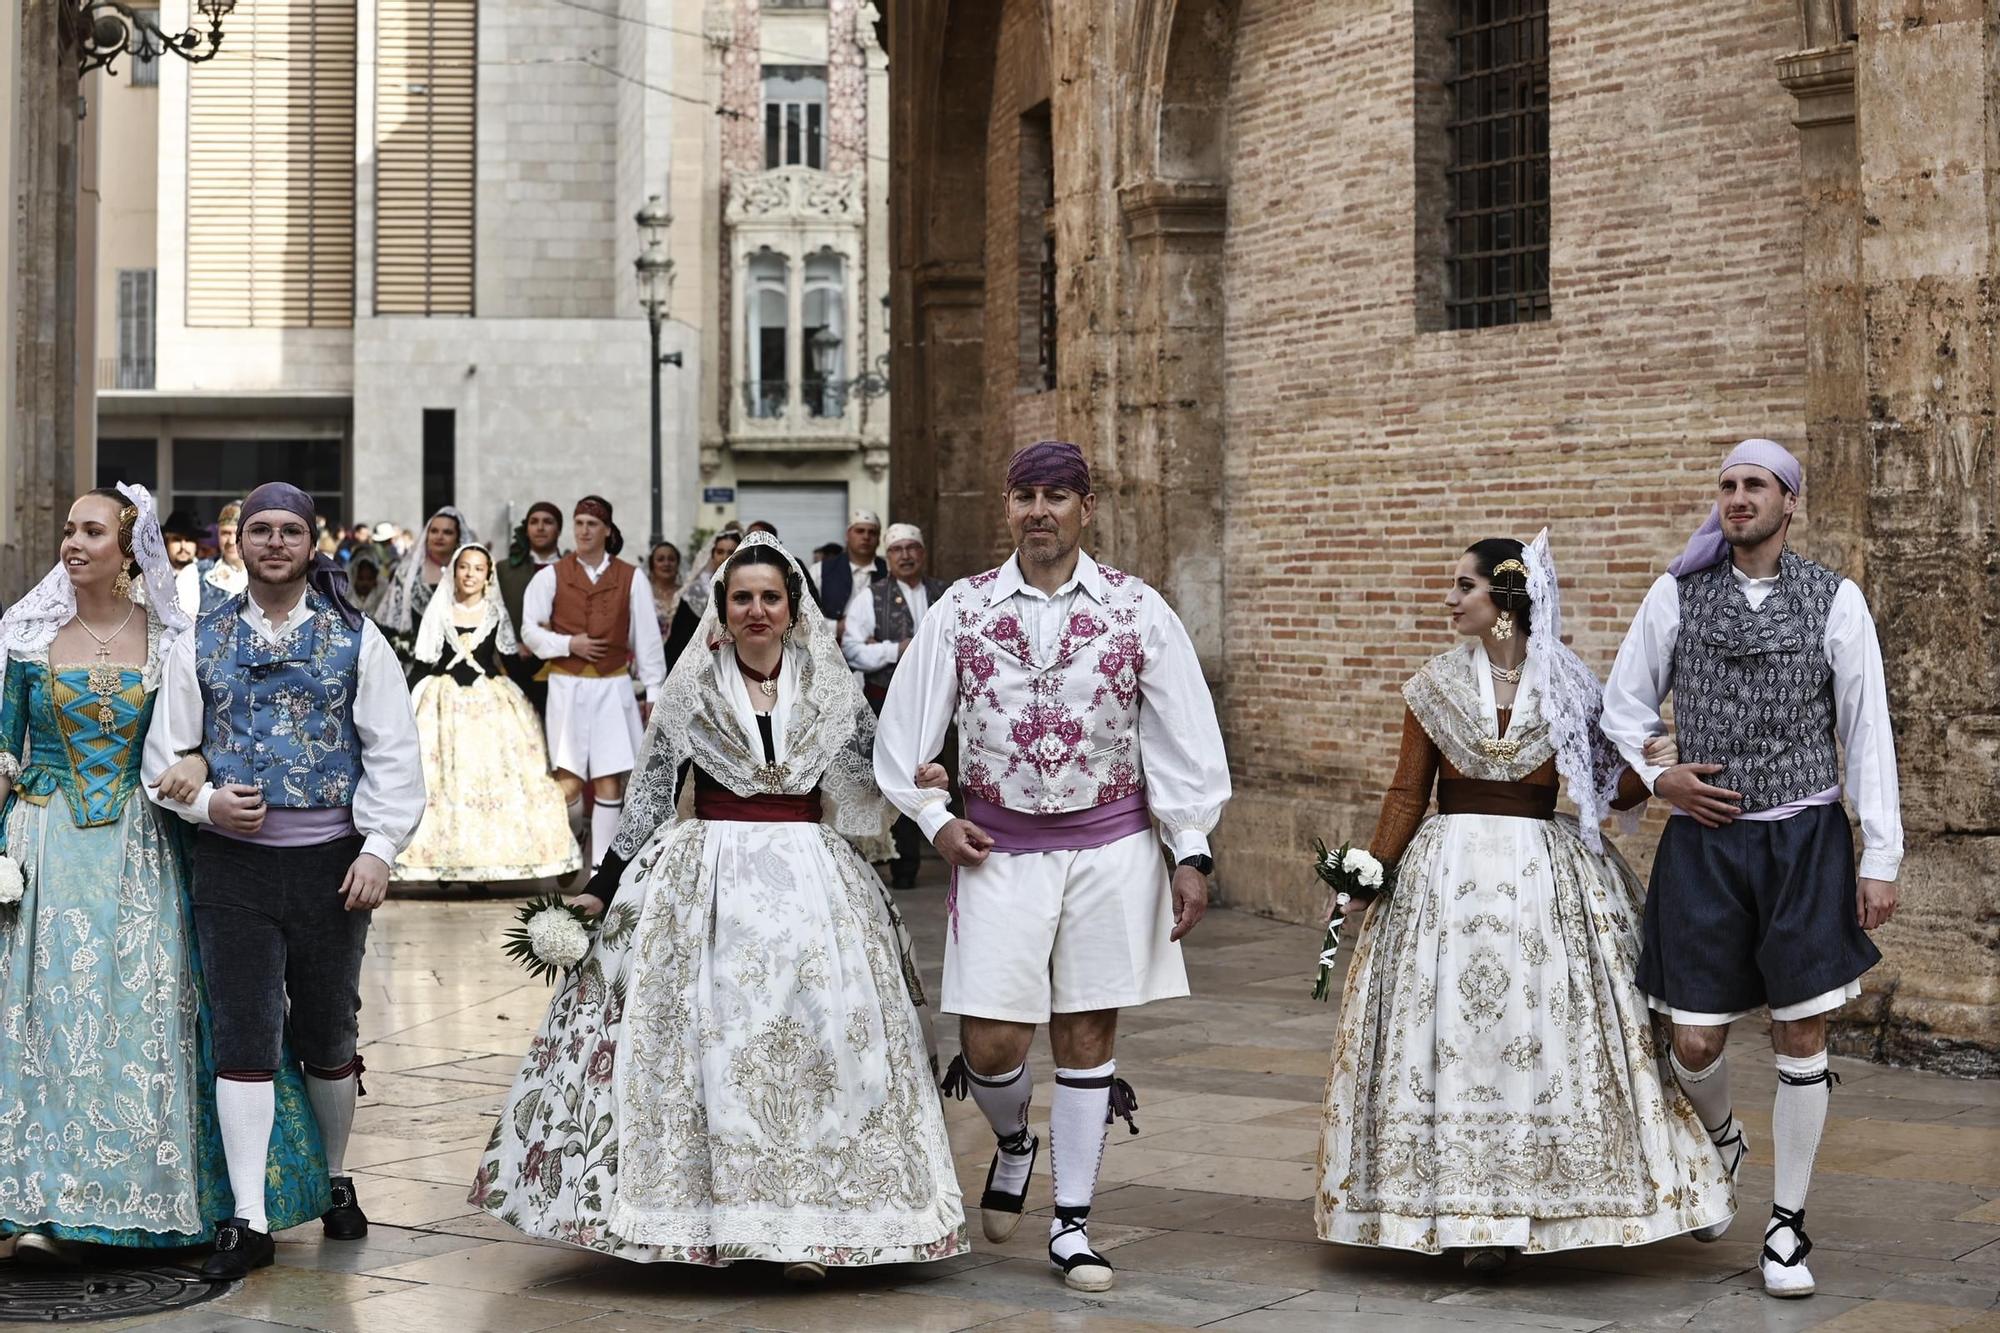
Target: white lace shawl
(828, 731)
(438, 630)
(31, 624)
(1573, 701)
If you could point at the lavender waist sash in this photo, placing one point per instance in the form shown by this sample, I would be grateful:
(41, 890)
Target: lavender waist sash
(1067, 831)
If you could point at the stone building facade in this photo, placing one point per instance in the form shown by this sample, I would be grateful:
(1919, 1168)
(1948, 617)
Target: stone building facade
(1210, 241)
(421, 287)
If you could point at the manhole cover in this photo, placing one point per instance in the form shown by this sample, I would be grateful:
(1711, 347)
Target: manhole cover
(58, 1296)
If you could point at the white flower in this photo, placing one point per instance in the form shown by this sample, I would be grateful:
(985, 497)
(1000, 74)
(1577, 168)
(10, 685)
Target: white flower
(1366, 870)
(558, 937)
(12, 883)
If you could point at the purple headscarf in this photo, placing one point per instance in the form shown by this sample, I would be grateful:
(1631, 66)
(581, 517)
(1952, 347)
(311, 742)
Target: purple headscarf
(323, 574)
(1708, 546)
(1050, 463)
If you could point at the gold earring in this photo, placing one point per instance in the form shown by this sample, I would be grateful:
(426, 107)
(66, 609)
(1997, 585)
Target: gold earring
(1503, 628)
(122, 585)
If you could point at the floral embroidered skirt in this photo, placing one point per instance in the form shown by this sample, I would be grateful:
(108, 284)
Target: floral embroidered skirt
(493, 811)
(737, 1070)
(1496, 1074)
(108, 1132)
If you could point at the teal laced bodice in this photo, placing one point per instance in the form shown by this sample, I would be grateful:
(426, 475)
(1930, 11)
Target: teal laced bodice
(70, 738)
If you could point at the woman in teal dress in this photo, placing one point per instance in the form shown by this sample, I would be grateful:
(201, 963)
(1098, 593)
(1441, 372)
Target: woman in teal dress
(107, 1128)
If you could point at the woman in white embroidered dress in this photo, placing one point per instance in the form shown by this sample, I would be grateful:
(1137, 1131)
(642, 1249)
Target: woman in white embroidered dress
(738, 1068)
(494, 811)
(1496, 1083)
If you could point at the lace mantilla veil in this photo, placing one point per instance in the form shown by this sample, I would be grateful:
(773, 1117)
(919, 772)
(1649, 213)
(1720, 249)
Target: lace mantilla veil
(436, 630)
(829, 741)
(30, 624)
(1573, 701)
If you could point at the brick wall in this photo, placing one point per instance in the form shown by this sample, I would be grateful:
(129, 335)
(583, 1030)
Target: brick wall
(1364, 454)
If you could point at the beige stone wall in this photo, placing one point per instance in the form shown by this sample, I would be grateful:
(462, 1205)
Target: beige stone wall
(1251, 355)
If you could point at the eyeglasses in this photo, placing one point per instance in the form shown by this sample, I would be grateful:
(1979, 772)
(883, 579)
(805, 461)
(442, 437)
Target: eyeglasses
(263, 534)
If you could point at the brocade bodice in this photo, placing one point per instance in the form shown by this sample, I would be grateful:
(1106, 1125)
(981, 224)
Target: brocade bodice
(53, 720)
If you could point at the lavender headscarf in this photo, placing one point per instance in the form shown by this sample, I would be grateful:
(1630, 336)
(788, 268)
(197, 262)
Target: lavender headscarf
(323, 573)
(1708, 547)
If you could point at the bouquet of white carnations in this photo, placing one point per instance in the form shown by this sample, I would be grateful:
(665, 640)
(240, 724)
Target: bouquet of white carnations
(1345, 871)
(13, 884)
(553, 936)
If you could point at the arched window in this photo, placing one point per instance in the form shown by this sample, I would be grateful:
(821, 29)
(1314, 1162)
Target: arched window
(764, 358)
(825, 336)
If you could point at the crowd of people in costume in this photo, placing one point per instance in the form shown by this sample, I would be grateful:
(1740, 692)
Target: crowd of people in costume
(211, 781)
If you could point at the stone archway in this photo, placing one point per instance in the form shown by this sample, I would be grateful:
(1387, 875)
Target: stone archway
(945, 49)
(1174, 204)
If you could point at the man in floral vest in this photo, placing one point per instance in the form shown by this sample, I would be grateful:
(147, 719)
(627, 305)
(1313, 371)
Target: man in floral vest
(296, 704)
(1083, 722)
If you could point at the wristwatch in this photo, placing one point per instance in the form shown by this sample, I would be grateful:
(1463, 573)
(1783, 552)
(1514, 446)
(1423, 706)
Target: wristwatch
(1205, 864)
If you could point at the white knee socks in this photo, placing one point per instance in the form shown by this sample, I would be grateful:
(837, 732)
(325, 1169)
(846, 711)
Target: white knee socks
(1076, 1143)
(603, 828)
(333, 1106)
(574, 808)
(1708, 1090)
(246, 1112)
(1004, 1098)
(1797, 1119)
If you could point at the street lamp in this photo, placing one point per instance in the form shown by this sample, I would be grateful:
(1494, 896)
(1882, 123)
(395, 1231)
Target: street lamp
(106, 29)
(656, 285)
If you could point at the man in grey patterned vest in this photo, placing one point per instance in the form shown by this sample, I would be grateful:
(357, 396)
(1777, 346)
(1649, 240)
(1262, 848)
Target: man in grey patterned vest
(880, 620)
(1776, 677)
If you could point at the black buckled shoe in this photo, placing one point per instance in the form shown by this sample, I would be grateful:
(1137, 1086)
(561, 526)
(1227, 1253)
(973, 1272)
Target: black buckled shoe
(345, 1220)
(238, 1251)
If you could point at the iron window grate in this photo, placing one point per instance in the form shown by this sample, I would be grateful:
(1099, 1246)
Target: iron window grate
(1497, 213)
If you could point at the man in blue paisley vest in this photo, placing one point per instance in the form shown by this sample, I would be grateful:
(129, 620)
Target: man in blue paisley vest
(296, 704)
(1781, 709)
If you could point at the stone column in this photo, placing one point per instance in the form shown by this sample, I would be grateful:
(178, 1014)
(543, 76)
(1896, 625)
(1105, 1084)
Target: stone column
(1900, 175)
(41, 455)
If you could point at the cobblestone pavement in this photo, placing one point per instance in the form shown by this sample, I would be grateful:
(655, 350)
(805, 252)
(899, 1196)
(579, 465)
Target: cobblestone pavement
(1206, 1213)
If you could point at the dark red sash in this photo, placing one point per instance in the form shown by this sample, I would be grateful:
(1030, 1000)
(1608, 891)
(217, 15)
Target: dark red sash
(713, 801)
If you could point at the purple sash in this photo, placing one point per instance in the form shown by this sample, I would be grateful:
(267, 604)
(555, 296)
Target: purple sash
(1067, 831)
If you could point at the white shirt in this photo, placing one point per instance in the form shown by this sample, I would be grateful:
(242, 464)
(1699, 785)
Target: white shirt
(187, 588)
(649, 654)
(860, 626)
(864, 576)
(1180, 744)
(388, 798)
(1642, 677)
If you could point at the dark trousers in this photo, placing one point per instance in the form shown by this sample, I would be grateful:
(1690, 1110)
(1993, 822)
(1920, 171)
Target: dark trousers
(273, 926)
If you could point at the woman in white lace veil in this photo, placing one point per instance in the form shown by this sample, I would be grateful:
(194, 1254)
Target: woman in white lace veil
(410, 589)
(830, 731)
(120, 1158)
(1490, 1023)
(493, 812)
(754, 1071)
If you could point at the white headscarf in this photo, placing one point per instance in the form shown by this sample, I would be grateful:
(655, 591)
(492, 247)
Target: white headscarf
(31, 624)
(697, 586)
(1572, 700)
(823, 728)
(398, 614)
(438, 631)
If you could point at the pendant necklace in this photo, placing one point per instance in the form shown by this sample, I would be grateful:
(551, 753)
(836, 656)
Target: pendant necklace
(105, 680)
(767, 683)
(1504, 675)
